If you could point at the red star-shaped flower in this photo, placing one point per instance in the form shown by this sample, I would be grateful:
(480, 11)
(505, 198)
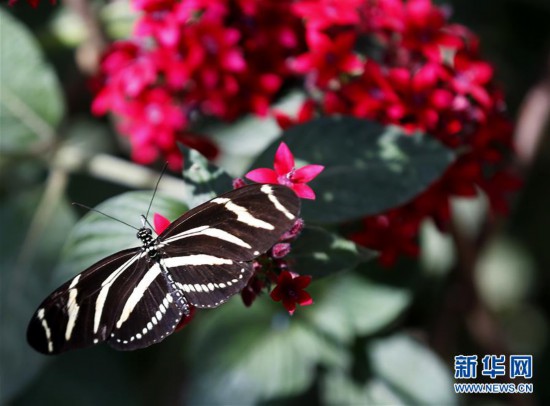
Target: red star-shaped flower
(286, 174)
(290, 290)
(329, 57)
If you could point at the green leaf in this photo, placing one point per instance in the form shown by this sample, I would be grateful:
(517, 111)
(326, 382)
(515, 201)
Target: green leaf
(84, 378)
(31, 104)
(369, 168)
(27, 256)
(412, 370)
(403, 372)
(339, 388)
(204, 179)
(118, 18)
(242, 356)
(319, 253)
(96, 236)
(354, 306)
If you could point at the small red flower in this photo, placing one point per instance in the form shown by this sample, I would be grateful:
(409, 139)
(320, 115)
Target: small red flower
(238, 183)
(286, 174)
(160, 223)
(280, 250)
(252, 289)
(294, 231)
(305, 113)
(290, 290)
(329, 57)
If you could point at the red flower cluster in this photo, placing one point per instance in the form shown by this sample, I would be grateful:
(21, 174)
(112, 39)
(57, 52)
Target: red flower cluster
(271, 269)
(401, 63)
(221, 58)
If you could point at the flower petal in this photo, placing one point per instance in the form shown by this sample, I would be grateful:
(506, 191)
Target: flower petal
(277, 293)
(284, 278)
(262, 175)
(303, 191)
(160, 223)
(301, 282)
(280, 250)
(307, 173)
(290, 305)
(248, 296)
(304, 299)
(284, 160)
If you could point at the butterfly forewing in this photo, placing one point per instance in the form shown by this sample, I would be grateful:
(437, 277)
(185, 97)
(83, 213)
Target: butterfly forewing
(137, 297)
(67, 318)
(239, 225)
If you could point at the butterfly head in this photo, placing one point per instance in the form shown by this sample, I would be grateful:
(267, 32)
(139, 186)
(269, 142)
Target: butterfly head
(145, 235)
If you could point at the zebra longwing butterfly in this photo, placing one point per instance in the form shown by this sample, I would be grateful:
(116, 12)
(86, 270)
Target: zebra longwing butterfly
(137, 297)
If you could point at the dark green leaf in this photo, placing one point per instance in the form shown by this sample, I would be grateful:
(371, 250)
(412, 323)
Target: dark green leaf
(96, 236)
(27, 256)
(241, 356)
(320, 253)
(403, 372)
(370, 168)
(204, 179)
(354, 306)
(96, 376)
(31, 105)
(339, 388)
(412, 370)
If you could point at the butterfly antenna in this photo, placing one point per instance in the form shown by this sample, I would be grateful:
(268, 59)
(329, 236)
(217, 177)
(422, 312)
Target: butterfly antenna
(155, 191)
(145, 221)
(106, 215)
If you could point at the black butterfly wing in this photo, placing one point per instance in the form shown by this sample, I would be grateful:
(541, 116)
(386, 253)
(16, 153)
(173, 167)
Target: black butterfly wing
(150, 313)
(209, 249)
(124, 299)
(206, 285)
(240, 224)
(77, 314)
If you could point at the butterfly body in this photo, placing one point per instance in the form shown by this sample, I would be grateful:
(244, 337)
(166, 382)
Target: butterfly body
(149, 245)
(137, 297)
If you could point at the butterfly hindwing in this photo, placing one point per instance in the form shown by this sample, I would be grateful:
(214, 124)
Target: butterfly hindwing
(207, 286)
(151, 312)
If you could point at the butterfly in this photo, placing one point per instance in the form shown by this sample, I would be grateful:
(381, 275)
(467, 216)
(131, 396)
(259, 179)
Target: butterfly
(136, 297)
